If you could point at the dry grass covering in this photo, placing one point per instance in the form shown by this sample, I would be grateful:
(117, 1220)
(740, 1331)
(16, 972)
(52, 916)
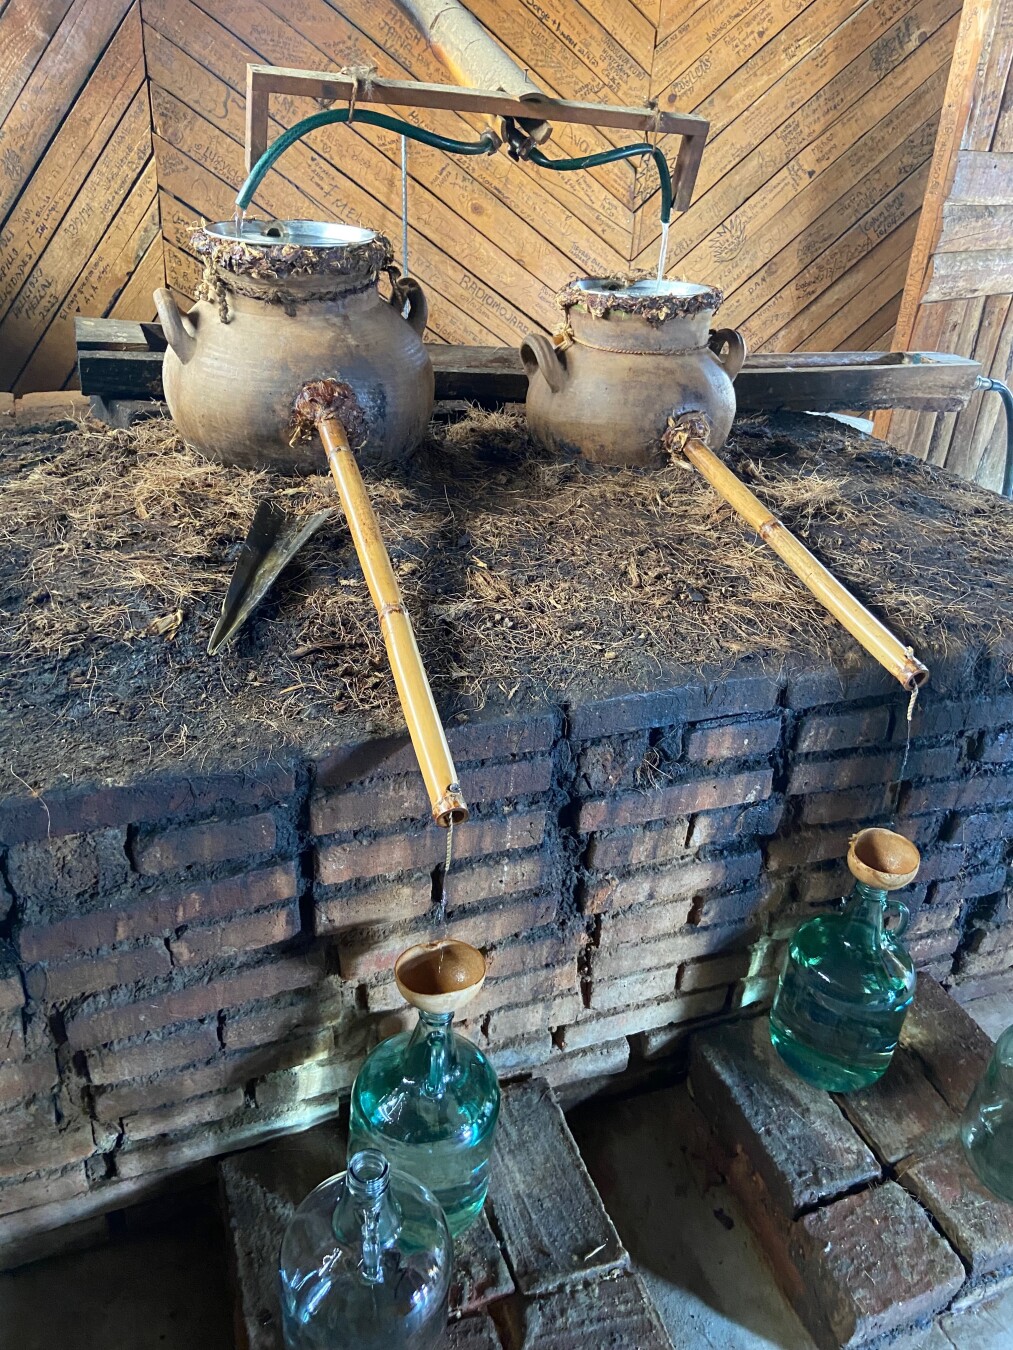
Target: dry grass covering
(524, 575)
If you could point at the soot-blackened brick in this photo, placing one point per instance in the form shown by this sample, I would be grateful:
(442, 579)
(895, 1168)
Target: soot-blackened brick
(871, 1264)
(821, 733)
(902, 1113)
(684, 798)
(979, 1225)
(617, 1314)
(733, 739)
(793, 1135)
(51, 874)
(950, 1044)
(210, 842)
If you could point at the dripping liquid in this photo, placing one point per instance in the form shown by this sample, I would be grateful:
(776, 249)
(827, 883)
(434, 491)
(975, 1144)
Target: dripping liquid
(907, 739)
(662, 253)
(441, 908)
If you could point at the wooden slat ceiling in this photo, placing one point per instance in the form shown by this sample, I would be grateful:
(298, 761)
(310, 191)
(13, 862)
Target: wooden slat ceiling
(79, 226)
(823, 116)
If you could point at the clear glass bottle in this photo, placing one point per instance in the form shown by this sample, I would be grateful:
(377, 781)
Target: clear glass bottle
(429, 1098)
(987, 1124)
(366, 1263)
(848, 981)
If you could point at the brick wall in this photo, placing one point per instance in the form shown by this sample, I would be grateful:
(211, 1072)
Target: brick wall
(190, 964)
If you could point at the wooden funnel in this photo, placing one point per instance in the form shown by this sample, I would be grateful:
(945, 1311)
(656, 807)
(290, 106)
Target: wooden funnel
(439, 977)
(883, 859)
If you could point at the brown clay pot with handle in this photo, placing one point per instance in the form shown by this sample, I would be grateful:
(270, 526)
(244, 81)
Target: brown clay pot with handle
(630, 357)
(290, 302)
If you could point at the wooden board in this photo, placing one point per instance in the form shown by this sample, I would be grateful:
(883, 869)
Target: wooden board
(821, 114)
(79, 226)
(958, 291)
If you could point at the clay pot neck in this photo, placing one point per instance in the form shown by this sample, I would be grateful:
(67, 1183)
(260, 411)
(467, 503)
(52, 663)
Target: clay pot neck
(350, 295)
(633, 333)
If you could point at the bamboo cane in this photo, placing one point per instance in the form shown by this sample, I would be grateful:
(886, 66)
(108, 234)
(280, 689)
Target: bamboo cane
(875, 637)
(424, 725)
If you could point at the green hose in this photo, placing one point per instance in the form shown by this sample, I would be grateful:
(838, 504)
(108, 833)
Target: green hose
(609, 157)
(485, 145)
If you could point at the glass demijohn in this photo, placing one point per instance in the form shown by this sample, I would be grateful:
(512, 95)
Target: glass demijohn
(987, 1125)
(848, 981)
(366, 1263)
(429, 1098)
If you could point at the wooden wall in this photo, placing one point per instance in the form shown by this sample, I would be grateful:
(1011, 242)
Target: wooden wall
(823, 119)
(79, 225)
(959, 292)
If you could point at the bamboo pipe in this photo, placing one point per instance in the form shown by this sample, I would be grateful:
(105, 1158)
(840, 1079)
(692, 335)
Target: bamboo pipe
(875, 637)
(424, 725)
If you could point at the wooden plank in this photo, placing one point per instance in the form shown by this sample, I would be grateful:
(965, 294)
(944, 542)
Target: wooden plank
(862, 310)
(969, 227)
(58, 76)
(78, 234)
(73, 153)
(962, 340)
(874, 333)
(983, 178)
(26, 27)
(957, 276)
(986, 457)
(136, 299)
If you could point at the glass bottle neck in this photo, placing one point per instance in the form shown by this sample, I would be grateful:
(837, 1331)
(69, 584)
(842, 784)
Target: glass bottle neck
(365, 1215)
(431, 1053)
(867, 907)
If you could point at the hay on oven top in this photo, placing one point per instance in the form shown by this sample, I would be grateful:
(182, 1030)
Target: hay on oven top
(524, 575)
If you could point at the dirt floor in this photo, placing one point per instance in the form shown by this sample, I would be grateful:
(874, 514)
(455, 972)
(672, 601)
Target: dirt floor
(524, 575)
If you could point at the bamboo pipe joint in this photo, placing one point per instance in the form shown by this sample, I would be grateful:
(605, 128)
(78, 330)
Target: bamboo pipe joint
(688, 435)
(327, 406)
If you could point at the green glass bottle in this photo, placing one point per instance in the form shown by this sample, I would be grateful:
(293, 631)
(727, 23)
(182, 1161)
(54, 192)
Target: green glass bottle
(429, 1099)
(986, 1128)
(848, 981)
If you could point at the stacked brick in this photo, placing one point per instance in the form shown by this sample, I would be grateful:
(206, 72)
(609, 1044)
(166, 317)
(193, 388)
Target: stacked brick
(189, 964)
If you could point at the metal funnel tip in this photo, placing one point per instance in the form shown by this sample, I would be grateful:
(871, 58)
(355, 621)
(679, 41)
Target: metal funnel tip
(440, 977)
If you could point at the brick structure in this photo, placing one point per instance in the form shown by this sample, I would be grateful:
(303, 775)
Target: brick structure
(869, 1214)
(189, 964)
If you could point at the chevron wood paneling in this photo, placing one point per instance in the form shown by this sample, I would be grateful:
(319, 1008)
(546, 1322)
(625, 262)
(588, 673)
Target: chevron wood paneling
(823, 117)
(79, 225)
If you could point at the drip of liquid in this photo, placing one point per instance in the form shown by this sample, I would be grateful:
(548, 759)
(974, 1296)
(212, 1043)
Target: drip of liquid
(907, 740)
(663, 253)
(441, 909)
(239, 220)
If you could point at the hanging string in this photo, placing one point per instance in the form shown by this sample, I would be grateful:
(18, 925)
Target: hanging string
(404, 204)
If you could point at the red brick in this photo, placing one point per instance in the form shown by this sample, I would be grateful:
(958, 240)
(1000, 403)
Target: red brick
(978, 1225)
(638, 846)
(339, 863)
(520, 778)
(386, 903)
(212, 841)
(18, 1082)
(625, 991)
(382, 803)
(292, 1087)
(91, 974)
(499, 834)
(525, 953)
(512, 1023)
(495, 880)
(525, 988)
(627, 957)
(43, 1190)
(846, 771)
(664, 1012)
(719, 970)
(42, 1151)
(698, 794)
(953, 1048)
(983, 790)
(933, 946)
(709, 910)
(738, 740)
(824, 732)
(113, 1103)
(718, 827)
(96, 1026)
(363, 958)
(860, 804)
(184, 1115)
(263, 928)
(666, 707)
(160, 912)
(678, 881)
(141, 1059)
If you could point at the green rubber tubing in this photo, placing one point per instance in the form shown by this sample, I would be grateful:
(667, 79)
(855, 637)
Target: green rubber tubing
(485, 145)
(609, 157)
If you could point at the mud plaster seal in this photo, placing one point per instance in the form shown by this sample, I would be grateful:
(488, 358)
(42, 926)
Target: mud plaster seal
(614, 298)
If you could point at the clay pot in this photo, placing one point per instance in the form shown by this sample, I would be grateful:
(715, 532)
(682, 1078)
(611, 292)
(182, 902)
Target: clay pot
(632, 356)
(294, 301)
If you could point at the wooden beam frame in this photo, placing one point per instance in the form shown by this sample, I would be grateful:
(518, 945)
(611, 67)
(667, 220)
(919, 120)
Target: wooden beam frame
(263, 81)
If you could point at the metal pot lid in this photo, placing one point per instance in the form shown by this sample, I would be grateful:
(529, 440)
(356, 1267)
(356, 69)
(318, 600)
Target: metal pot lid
(301, 233)
(270, 250)
(639, 297)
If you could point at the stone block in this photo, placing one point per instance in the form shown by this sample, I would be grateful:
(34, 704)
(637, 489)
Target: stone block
(948, 1041)
(977, 1224)
(617, 1314)
(902, 1114)
(548, 1214)
(794, 1136)
(871, 1264)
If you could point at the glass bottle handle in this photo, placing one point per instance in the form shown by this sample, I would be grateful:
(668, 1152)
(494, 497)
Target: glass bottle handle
(903, 914)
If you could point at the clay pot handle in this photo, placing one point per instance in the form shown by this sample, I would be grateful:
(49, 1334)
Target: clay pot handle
(178, 328)
(407, 290)
(538, 353)
(733, 345)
